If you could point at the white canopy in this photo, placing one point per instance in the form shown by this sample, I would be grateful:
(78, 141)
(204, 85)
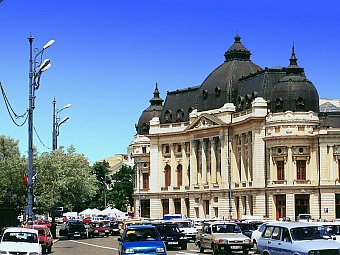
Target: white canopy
(113, 212)
(90, 212)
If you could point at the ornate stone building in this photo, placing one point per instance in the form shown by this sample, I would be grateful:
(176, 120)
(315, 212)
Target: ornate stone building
(247, 141)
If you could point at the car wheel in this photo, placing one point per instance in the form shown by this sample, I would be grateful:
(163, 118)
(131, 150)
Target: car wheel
(49, 249)
(184, 246)
(199, 247)
(245, 252)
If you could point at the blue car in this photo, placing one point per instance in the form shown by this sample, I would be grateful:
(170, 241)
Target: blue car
(292, 238)
(141, 239)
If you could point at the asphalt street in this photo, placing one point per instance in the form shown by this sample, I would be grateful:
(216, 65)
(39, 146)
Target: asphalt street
(106, 246)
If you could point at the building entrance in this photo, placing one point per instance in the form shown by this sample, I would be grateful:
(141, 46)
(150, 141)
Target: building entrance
(280, 206)
(301, 204)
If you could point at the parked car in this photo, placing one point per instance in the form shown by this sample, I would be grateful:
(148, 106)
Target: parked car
(187, 227)
(304, 217)
(222, 237)
(141, 239)
(20, 241)
(256, 234)
(172, 236)
(73, 229)
(115, 227)
(45, 237)
(296, 238)
(247, 227)
(43, 222)
(333, 229)
(98, 229)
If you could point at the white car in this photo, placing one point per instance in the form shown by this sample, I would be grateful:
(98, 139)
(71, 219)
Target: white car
(333, 229)
(22, 241)
(187, 227)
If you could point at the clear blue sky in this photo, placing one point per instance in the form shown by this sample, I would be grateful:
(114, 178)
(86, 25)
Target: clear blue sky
(109, 54)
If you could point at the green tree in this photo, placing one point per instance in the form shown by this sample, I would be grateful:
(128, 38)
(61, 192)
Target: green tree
(100, 170)
(12, 188)
(63, 179)
(121, 194)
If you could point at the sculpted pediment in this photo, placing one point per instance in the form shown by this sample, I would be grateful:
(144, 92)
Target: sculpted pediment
(205, 121)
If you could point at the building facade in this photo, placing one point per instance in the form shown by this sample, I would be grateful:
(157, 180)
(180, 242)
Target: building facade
(247, 141)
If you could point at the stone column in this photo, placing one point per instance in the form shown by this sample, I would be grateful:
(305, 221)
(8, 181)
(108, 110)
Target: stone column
(243, 154)
(204, 161)
(224, 170)
(193, 162)
(173, 165)
(290, 167)
(185, 180)
(213, 159)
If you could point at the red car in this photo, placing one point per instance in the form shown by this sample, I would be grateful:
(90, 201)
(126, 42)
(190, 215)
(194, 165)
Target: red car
(43, 222)
(98, 229)
(87, 220)
(45, 237)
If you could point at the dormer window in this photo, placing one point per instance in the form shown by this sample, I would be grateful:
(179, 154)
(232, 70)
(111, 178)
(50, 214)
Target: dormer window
(168, 116)
(179, 115)
(205, 94)
(278, 105)
(300, 104)
(217, 91)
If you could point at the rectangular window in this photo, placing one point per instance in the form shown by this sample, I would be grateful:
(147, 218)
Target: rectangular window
(339, 169)
(145, 181)
(280, 165)
(167, 149)
(144, 149)
(179, 148)
(301, 169)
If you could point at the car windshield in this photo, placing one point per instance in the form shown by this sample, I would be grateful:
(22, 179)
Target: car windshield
(170, 228)
(77, 227)
(137, 235)
(186, 224)
(309, 233)
(245, 226)
(333, 229)
(226, 228)
(20, 237)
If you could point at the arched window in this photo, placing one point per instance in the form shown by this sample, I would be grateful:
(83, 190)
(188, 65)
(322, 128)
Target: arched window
(300, 104)
(179, 175)
(278, 105)
(167, 175)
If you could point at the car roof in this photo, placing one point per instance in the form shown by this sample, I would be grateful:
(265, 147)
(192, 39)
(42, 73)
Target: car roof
(17, 229)
(219, 222)
(140, 227)
(290, 224)
(37, 226)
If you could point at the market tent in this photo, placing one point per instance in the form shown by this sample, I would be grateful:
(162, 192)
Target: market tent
(90, 212)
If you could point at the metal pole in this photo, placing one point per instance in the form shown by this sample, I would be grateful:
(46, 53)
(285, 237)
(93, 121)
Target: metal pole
(104, 191)
(139, 183)
(30, 138)
(54, 132)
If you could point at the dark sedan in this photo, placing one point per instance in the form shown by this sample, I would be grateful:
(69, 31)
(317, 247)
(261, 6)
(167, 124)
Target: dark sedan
(172, 236)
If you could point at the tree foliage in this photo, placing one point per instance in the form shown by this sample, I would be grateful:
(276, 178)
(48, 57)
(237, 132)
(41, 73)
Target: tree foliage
(121, 194)
(63, 179)
(12, 189)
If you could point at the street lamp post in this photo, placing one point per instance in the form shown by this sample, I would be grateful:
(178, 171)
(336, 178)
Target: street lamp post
(139, 188)
(36, 68)
(57, 123)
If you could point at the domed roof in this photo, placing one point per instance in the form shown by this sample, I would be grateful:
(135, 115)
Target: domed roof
(154, 110)
(220, 86)
(294, 92)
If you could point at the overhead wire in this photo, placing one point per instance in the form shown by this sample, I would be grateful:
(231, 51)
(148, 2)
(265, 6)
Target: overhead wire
(11, 111)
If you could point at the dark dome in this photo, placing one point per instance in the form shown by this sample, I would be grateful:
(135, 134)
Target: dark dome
(154, 110)
(294, 92)
(221, 85)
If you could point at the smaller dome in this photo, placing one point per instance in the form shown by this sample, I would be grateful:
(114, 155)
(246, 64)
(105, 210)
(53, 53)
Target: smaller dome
(154, 110)
(294, 92)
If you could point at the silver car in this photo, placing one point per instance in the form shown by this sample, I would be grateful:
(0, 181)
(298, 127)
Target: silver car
(284, 238)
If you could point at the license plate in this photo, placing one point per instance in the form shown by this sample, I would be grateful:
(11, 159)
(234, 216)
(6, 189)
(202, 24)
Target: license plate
(236, 247)
(101, 234)
(76, 234)
(172, 242)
